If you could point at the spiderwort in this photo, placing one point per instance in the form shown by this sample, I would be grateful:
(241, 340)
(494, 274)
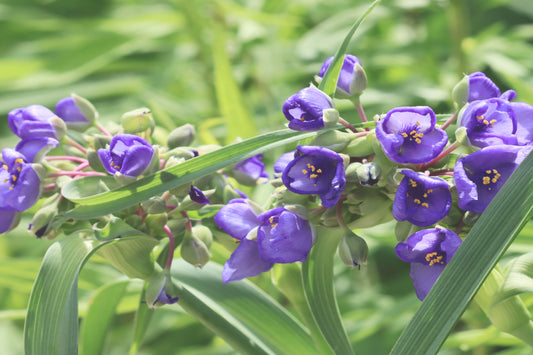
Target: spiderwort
(284, 236)
(480, 87)
(283, 161)
(316, 170)
(524, 122)
(409, 135)
(77, 112)
(352, 78)
(128, 154)
(8, 219)
(480, 175)
(197, 195)
(19, 181)
(421, 200)
(428, 251)
(250, 171)
(36, 121)
(34, 149)
(305, 109)
(489, 122)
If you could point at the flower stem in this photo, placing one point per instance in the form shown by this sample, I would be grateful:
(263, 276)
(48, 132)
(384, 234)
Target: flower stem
(65, 157)
(188, 226)
(171, 247)
(449, 121)
(338, 212)
(347, 125)
(444, 153)
(76, 173)
(103, 130)
(360, 111)
(75, 144)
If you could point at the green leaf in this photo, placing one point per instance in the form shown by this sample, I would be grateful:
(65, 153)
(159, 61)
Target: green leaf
(143, 316)
(140, 190)
(329, 81)
(247, 318)
(518, 278)
(51, 325)
(487, 241)
(99, 315)
(115, 227)
(230, 100)
(317, 273)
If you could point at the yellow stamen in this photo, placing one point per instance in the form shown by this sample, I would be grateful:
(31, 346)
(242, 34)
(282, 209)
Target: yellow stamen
(424, 204)
(19, 161)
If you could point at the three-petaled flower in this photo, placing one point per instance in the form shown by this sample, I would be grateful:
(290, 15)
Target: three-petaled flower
(316, 170)
(128, 154)
(480, 87)
(421, 200)
(250, 171)
(275, 236)
(348, 83)
(36, 121)
(69, 109)
(428, 251)
(480, 175)
(409, 135)
(489, 122)
(305, 109)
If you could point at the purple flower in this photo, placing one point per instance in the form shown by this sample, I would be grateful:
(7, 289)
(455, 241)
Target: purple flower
(480, 87)
(165, 298)
(524, 122)
(305, 109)
(250, 171)
(34, 149)
(409, 135)
(480, 175)
(8, 219)
(283, 161)
(489, 122)
(128, 155)
(68, 110)
(284, 236)
(421, 200)
(197, 195)
(244, 262)
(346, 76)
(19, 182)
(316, 170)
(36, 121)
(237, 218)
(428, 251)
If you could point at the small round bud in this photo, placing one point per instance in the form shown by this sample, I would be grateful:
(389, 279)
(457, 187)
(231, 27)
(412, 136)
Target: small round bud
(138, 121)
(353, 249)
(181, 136)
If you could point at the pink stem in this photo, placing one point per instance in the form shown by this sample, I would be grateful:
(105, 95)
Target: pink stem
(82, 166)
(76, 173)
(347, 125)
(188, 226)
(171, 247)
(76, 145)
(361, 112)
(65, 157)
(103, 130)
(449, 121)
(444, 153)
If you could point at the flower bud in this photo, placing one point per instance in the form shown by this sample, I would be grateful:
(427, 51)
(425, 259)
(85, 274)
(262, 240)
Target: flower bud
(190, 204)
(194, 251)
(360, 147)
(334, 140)
(154, 205)
(40, 224)
(352, 78)
(353, 249)
(181, 136)
(155, 223)
(460, 92)
(138, 121)
(77, 112)
(368, 173)
(331, 117)
(160, 290)
(204, 234)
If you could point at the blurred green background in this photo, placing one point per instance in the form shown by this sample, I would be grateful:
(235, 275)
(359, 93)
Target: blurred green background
(178, 58)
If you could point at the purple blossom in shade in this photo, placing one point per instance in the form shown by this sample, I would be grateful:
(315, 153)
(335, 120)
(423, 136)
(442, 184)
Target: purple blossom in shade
(244, 262)
(428, 251)
(316, 170)
(305, 109)
(237, 218)
(35, 121)
(480, 87)
(480, 175)
(489, 122)
(283, 161)
(524, 122)
(346, 75)
(34, 149)
(19, 182)
(421, 200)
(409, 135)
(69, 112)
(284, 236)
(250, 171)
(8, 219)
(165, 298)
(197, 195)
(128, 155)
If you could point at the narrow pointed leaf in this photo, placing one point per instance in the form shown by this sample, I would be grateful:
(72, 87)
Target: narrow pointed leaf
(247, 318)
(317, 273)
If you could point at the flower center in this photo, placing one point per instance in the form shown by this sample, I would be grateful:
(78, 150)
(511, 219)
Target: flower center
(490, 177)
(419, 195)
(483, 121)
(273, 221)
(413, 136)
(14, 173)
(116, 166)
(312, 172)
(434, 258)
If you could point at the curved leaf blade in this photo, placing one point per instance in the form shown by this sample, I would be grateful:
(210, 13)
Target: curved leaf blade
(487, 241)
(240, 313)
(317, 273)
